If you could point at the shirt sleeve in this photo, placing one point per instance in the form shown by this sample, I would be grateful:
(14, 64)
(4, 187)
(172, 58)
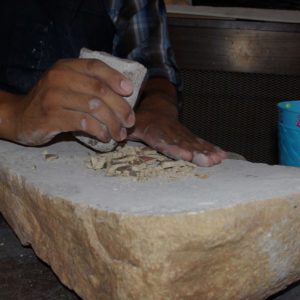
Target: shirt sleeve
(142, 35)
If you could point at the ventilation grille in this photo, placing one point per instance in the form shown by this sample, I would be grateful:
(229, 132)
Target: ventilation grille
(237, 111)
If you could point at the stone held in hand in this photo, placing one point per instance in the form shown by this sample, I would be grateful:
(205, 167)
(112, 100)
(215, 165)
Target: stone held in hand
(133, 70)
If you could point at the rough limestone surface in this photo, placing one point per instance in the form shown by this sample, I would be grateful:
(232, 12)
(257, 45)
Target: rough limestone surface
(133, 71)
(234, 235)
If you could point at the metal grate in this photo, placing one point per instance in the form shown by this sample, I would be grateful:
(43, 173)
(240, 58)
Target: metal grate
(237, 111)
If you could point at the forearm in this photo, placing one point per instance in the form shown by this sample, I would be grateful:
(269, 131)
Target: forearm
(8, 107)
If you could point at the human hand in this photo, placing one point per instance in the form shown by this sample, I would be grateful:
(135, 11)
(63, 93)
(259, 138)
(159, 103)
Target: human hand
(171, 138)
(74, 95)
(163, 132)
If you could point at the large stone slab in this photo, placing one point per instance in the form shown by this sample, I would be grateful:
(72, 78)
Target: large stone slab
(234, 235)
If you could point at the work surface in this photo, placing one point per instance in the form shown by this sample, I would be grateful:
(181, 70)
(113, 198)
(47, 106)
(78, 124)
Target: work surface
(232, 182)
(233, 234)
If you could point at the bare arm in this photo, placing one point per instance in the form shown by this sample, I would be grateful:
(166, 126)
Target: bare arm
(8, 106)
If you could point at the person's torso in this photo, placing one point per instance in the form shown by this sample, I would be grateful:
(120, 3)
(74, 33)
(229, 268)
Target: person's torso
(37, 33)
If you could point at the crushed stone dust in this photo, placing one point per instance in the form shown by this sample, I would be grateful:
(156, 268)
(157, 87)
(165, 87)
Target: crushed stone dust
(141, 163)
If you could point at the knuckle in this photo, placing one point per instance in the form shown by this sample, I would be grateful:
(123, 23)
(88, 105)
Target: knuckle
(102, 90)
(95, 104)
(99, 131)
(54, 75)
(93, 64)
(49, 100)
(49, 94)
(103, 134)
(115, 130)
(125, 109)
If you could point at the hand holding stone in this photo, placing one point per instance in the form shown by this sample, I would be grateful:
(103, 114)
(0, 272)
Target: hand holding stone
(75, 95)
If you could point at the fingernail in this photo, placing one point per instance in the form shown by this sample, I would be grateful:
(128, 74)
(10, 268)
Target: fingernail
(200, 159)
(126, 85)
(123, 134)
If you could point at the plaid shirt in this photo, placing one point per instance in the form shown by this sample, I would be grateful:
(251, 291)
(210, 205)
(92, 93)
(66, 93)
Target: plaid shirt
(142, 35)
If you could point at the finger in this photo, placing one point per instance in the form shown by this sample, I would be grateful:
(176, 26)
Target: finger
(204, 153)
(164, 143)
(173, 151)
(69, 121)
(79, 83)
(101, 71)
(186, 146)
(206, 158)
(81, 104)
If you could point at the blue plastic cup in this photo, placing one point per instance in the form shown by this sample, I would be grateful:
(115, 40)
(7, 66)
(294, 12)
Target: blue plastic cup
(289, 113)
(289, 133)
